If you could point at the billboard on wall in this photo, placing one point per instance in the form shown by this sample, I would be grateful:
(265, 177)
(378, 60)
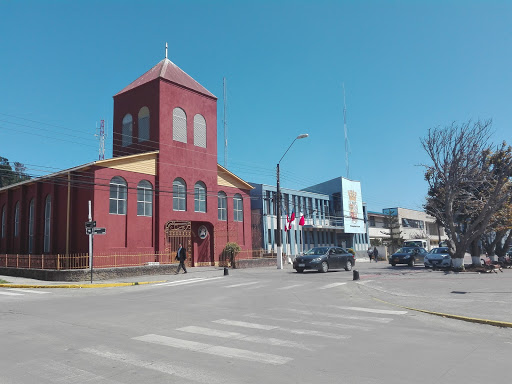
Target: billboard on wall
(352, 206)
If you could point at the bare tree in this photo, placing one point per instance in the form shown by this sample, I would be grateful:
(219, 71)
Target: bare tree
(468, 181)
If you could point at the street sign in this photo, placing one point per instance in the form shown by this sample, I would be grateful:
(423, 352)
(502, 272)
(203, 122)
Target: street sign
(100, 231)
(90, 224)
(88, 231)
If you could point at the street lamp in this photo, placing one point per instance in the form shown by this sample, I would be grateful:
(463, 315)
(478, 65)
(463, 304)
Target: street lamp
(278, 239)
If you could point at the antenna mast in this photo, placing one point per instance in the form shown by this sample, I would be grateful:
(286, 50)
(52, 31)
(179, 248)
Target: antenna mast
(225, 127)
(346, 132)
(101, 136)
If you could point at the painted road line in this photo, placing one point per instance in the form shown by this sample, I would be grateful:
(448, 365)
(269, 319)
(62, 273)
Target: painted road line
(338, 316)
(241, 285)
(219, 351)
(306, 332)
(291, 286)
(10, 293)
(28, 291)
(195, 374)
(242, 337)
(372, 310)
(188, 281)
(332, 285)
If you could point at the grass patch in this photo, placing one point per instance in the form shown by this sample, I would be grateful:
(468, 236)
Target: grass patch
(3, 282)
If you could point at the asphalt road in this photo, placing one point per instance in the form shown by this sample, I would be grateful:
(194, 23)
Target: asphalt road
(261, 325)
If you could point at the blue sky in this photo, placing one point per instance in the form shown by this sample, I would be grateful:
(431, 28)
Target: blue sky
(407, 66)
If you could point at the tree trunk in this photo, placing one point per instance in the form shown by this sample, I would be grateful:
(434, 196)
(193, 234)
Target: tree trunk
(475, 253)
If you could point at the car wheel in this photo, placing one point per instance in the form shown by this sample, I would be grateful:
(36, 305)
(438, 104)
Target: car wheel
(325, 267)
(300, 270)
(348, 266)
(411, 262)
(393, 264)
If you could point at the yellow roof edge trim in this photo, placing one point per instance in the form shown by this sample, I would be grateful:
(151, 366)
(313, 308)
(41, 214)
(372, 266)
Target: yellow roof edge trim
(221, 169)
(105, 163)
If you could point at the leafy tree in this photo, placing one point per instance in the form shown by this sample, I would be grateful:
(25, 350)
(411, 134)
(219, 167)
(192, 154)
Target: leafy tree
(392, 226)
(8, 175)
(468, 181)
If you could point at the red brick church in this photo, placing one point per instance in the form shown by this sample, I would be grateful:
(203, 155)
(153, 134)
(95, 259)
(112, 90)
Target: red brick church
(162, 187)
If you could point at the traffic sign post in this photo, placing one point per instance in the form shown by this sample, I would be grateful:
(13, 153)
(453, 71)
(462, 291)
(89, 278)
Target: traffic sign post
(91, 230)
(99, 231)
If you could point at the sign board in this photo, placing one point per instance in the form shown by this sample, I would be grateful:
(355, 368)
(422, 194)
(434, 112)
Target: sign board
(352, 206)
(203, 232)
(88, 231)
(100, 231)
(90, 224)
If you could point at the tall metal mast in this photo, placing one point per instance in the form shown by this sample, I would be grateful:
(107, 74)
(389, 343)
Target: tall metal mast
(225, 126)
(101, 136)
(346, 133)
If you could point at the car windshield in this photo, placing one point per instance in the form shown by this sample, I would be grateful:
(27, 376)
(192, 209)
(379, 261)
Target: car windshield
(439, 250)
(316, 251)
(406, 250)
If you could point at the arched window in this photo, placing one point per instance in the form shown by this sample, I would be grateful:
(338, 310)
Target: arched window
(238, 208)
(179, 125)
(31, 227)
(3, 221)
(200, 197)
(126, 140)
(143, 124)
(179, 195)
(118, 192)
(47, 216)
(223, 201)
(199, 131)
(144, 198)
(17, 220)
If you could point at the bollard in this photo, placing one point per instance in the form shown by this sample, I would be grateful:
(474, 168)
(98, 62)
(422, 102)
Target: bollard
(355, 274)
(226, 271)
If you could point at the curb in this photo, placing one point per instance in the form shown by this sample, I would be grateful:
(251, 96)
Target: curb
(494, 323)
(99, 285)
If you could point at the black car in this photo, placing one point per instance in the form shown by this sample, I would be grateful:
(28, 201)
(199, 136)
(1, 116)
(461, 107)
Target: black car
(323, 259)
(408, 255)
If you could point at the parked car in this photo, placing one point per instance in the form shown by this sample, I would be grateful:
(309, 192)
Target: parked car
(323, 259)
(438, 258)
(408, 255)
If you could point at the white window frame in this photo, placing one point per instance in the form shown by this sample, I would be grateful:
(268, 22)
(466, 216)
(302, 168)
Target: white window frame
(179, 195)
(200, 197)
(179, 125)
(199, 131)
(222, 206)
(118, 195)
(145, 202)
(238, 208)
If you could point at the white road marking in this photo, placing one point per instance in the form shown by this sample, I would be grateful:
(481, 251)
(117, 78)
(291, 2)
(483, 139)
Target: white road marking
(292, 286)
(307, 332)
(332, 285)
(316, 323)
(241, 336)
(224, 352)
(335, 315)
(193, 374)
(373, 310)
(241, 285)
(188, 281)
(28, 290)
(10, 293)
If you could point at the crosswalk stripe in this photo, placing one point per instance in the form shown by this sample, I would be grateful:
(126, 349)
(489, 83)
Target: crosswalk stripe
(188, 281)
(332, 285)
(307, 332)
(28, 291)
(373, 310)
(241, 285)
(10, 293)
(291, 286)
(241, 336)
(215, 350)
(327, 324)
(339, 316)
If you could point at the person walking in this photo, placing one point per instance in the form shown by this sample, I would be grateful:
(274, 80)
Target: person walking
(370, 253)
(375, 254)
(181, 255)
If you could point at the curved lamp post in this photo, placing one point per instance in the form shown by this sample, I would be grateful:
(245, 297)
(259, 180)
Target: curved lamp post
(278, 239)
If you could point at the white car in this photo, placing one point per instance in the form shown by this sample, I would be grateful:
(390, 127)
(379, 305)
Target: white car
(438, 258)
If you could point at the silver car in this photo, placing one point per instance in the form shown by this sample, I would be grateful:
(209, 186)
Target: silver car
(438, 258)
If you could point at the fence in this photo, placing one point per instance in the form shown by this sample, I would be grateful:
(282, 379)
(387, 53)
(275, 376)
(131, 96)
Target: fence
(226, 259)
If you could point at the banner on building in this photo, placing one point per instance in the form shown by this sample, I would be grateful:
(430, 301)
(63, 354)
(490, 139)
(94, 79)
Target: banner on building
(353, 216)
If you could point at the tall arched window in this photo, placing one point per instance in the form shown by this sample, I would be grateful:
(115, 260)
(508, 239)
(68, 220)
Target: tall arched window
(199, 131)
(17, 220)
(47, 222)
(3, 221)
(126, 140)
(179, 195)
(200, 197)
(238, 208)
(223, 201)
(143, 124)
(144, 198)
(179, 125)
(118, 192)
(31, 227)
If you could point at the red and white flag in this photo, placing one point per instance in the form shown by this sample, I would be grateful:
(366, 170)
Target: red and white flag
(301, 221)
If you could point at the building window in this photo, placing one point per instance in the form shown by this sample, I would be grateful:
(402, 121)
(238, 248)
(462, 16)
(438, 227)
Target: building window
(410, 223)
(238, 208)
(3, 221)
(31, 227)
(199, 131)
(17, 220)
(143, 124)
(144, 198)
(126, 140)
(223, 200)
(179, 195)
(200, 197)
(118, 192)
(47, 216)
(179, 125)
(372, 221)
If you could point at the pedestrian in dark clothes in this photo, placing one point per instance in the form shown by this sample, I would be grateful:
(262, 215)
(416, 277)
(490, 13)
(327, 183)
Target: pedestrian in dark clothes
(181, 255)
(375, 254)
